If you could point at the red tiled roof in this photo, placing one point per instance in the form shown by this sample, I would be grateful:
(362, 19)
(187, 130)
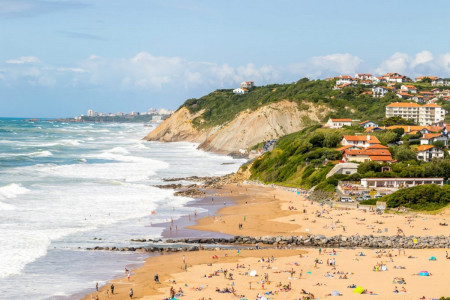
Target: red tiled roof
(428, 136)
(372, 139)
(381, 158)
(402, 104)
(341, 120)
(424, 147)
(378, 146)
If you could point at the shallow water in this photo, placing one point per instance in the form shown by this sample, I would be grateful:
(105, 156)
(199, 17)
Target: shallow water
(64, 184)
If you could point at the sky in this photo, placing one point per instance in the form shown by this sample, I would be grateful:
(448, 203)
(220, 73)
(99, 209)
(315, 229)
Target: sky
(60, 58)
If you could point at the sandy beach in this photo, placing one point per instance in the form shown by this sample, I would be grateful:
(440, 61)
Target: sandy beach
(264, 210)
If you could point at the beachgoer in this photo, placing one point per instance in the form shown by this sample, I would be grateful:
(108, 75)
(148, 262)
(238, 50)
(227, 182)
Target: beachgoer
(112, 289)
(131, 293)
(96, 286)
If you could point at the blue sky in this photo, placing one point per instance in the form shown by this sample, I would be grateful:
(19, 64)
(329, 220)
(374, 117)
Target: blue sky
(59, 58)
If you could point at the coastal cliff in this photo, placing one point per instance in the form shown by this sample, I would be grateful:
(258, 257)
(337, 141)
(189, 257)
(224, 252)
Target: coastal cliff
(247, 129)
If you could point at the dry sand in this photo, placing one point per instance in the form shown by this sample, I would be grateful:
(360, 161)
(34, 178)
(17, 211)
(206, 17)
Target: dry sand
(265, 211)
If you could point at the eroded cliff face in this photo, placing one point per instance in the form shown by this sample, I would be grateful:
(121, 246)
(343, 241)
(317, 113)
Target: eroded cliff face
(246, 130)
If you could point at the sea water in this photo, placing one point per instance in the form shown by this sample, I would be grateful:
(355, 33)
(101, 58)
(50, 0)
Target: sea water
(68, 186)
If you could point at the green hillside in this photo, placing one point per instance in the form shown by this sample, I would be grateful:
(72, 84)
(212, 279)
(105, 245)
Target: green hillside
(222, 106)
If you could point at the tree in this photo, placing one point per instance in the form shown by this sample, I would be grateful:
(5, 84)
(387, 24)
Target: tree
(439, 144)
(332, 140)
(317, 140)
(403, 153)
(397, 121)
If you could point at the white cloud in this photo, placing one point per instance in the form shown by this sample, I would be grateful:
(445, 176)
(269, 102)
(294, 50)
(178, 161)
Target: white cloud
(23, 60)
(328, 65)
(145, 71)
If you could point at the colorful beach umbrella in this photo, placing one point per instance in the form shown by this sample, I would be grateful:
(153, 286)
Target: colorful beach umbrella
(358, 290)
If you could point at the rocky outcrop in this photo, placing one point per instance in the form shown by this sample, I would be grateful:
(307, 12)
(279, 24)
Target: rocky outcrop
(246, 130)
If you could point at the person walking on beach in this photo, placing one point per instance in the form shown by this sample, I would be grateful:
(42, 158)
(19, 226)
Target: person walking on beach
(184, 259)
(112, 289)
(96, 286)
(131, 293)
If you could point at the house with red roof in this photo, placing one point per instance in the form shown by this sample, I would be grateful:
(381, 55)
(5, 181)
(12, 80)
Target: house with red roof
(338, 123)
(408, 89)
(360, 140)
(363, 155)
(428, 152)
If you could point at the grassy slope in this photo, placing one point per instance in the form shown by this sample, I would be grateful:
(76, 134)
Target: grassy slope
(297, 162)
(222, 106)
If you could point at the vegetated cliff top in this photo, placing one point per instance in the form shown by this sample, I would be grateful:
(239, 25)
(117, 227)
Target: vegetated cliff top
(222, 106)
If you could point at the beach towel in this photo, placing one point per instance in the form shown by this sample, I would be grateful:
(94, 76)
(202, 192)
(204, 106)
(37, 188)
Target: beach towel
(335, 293)
(424, 273)
(358, 290)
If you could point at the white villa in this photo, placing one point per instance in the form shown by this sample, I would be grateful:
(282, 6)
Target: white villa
(338, 123)
(360, 140)
(428, 152)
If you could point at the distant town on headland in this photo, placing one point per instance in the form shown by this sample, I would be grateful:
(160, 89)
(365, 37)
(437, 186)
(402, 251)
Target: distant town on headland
(153, 115)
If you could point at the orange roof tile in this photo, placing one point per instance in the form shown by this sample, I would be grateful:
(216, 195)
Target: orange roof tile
(381, 158)
(431, 105)
(341, 120)
(428, 136)
(378, 146)
(424, 147)
(403, 104)
(372, 139)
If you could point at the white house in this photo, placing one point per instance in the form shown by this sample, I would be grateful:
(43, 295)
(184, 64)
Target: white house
(363, 76)
(379, 91)
(247, 84)
(423, 115)
(408, 89)
(367, 124)
(360, 140)
(343, 79)
(428, 152)
(338, 123)
(440, 82)
(240, 91)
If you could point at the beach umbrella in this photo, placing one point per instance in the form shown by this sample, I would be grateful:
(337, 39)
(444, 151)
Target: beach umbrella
(358, 290)
(335, 293)
(253, 273)
(433, 258)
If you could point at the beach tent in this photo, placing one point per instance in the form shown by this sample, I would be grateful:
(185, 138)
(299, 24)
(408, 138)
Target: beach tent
(424, 273)
(335, 293)
(358, 290)
(253, 273)
(433, 258)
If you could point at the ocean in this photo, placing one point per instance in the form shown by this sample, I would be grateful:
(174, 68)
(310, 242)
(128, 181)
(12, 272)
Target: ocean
(68, 186)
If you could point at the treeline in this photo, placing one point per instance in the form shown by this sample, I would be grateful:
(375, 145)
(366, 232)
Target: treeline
(422, 197)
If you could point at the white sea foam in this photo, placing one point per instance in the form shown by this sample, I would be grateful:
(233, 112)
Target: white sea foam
(12, 190)
(44, 153)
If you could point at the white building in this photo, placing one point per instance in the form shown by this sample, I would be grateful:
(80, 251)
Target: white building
(360, 140)
(240, 91)
(428, 152)
(367, 124)
(247, 84)
(92, 113)
(338, 123)
(399, 182)
(344, 79)
(423, 115)
(380, 91)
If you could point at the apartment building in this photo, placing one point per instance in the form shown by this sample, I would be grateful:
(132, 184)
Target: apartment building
(421, 114)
